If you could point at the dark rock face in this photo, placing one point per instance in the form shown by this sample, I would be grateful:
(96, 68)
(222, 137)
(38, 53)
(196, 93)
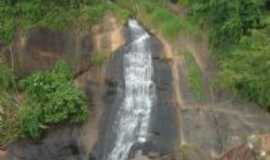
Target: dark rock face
(113, 96)
(163, 122)
(40, 48)
(62, 144)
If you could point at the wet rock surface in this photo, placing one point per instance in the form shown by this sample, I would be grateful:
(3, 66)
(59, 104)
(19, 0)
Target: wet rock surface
(163, 122)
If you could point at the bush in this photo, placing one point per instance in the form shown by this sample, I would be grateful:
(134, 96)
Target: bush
(238, 29)
(246, 70)
(50, 98)
(228, 20)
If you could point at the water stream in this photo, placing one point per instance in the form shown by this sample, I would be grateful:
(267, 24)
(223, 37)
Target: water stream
(133, 117)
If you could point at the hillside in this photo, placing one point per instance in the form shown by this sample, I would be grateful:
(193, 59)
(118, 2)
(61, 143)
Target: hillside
(64, 76)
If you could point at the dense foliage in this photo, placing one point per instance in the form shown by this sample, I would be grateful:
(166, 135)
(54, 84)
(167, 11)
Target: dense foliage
(238, 33)
(247, 70)
(23, 14)
(228, 20)
(50, 99)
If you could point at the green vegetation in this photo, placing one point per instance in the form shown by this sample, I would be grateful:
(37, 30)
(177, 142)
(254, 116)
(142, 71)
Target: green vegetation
(194, 74)
(247, 69)
(238, 34)
(168, 24)
(58, 15)
(48, 98)
(228, 20)
(155, 15)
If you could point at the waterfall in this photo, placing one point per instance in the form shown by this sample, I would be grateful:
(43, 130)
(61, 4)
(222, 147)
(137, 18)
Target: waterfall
(133, 117)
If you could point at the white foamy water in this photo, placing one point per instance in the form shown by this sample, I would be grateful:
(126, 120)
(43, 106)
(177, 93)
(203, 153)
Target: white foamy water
(133, 117)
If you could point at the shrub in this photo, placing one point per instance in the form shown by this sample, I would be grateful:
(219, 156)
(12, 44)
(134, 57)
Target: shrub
(51, 98)
(246, 70)
(228, 20)
(238, 29)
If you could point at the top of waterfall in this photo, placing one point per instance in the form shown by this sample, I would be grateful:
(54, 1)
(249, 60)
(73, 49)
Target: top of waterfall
(141, 34)
(134, 24)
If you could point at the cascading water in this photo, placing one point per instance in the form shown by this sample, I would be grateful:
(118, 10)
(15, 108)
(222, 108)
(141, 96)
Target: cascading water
(133, 117)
